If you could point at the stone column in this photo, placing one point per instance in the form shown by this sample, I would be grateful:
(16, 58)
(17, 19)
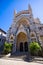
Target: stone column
(14, 47)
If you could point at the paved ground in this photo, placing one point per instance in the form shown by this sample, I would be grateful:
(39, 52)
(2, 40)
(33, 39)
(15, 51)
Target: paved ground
(6, 60)
(17, 62)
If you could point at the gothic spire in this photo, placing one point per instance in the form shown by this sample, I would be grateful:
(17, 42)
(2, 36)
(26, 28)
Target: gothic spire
(14, 13)
(29, 8)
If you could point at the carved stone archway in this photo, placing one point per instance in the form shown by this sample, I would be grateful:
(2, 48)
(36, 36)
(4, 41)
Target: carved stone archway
(21, 39)
(24, 21)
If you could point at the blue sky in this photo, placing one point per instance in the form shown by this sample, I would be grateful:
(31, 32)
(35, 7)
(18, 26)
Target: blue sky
(7, 10)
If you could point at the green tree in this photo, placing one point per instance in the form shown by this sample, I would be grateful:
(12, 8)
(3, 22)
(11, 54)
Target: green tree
(34, 48)
(7, 47)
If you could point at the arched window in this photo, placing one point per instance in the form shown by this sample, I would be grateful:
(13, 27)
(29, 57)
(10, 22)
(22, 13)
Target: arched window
(41, 37)
(11, 37)
(32, 34)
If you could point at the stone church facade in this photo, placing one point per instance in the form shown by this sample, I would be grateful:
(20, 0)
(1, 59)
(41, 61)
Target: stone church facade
(24, 30)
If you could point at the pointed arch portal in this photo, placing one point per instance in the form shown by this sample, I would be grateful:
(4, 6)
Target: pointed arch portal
(22, 42)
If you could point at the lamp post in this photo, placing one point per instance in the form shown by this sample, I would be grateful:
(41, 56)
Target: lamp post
(29, 40)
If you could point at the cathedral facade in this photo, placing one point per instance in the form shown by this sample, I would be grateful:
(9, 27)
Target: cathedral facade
(24, 30)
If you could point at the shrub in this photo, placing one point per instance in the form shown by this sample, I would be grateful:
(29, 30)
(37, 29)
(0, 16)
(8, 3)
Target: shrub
(7, 47)
(34, 48)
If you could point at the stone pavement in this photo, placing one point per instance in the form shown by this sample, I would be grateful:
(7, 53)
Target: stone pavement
(17, 62)
(7, 60)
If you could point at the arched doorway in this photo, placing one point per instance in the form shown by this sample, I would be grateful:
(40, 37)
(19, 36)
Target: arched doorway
(21, 47)
(22, 39)
(26, 46)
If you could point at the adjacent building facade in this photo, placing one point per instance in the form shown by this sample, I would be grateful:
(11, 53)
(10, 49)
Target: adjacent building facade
(2, 39)
(23, 30)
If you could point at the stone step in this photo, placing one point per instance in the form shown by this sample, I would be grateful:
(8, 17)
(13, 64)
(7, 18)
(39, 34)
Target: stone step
(20, 53)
